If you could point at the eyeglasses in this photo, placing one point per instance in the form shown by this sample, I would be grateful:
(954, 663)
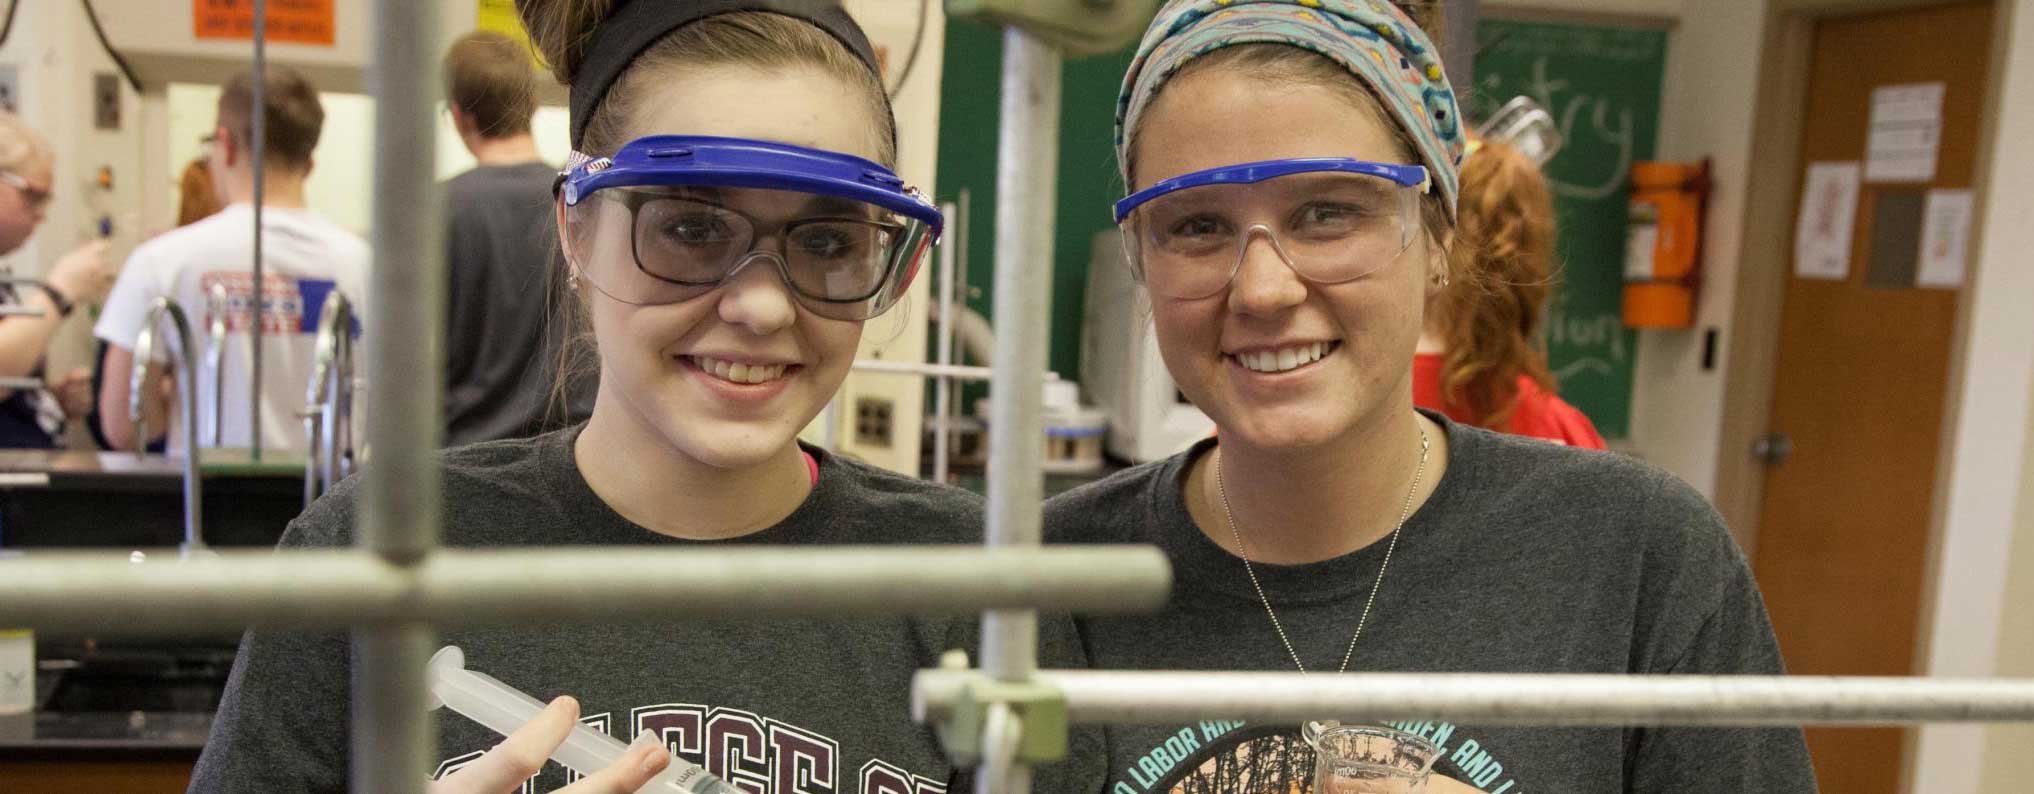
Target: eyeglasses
(37, 197)
(679, 215)
(838, 257)
(1331, 220)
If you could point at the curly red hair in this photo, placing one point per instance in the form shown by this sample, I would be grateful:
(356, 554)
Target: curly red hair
(1504, 264)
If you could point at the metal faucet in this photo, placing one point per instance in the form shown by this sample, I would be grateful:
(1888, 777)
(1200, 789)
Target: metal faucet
(137, 386)
(218, 304)
(328, 401)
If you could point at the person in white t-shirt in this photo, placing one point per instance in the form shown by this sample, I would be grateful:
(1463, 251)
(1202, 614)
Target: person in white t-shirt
(305, 257)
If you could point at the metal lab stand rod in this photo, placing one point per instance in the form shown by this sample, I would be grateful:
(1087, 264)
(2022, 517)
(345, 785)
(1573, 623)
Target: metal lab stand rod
(952, 371)
(335, 588)
(942, 387)
(1167, 698)
(1027, 163)
(394, 742)
(259, 152)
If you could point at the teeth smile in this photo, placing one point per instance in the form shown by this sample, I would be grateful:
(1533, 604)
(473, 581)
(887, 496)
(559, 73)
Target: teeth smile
(739, 372)
(1284, 359)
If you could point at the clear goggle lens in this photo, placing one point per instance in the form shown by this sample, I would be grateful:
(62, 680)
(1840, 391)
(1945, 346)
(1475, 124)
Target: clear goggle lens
(1330, 227)
(843, 259)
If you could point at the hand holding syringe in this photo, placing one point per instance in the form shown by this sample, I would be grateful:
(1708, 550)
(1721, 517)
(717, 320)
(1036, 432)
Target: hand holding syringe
(534, 730)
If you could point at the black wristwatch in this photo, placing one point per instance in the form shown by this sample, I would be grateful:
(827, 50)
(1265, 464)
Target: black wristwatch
(56, 296)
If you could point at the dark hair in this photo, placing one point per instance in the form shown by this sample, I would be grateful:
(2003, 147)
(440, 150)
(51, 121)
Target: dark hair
(561, 31)
(1491, 323)
(293, 116)
(489, 77)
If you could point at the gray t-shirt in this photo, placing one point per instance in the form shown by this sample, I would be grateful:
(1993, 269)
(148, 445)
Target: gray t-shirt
(500, 350)
(1528, 558)
(777, 706)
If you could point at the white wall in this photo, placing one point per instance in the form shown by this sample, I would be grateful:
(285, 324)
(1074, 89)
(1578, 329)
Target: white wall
(341, 181)
(2007, 764)
(1983, 479)
(1713, 63)
(55, 55)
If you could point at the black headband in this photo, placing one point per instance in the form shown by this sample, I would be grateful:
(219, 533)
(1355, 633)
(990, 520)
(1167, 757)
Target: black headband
(633, 27)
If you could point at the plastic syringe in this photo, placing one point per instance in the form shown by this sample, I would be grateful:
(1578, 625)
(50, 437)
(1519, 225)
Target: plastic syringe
(503, 708)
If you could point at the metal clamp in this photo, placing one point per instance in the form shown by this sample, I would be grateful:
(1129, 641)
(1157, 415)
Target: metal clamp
(984, 710)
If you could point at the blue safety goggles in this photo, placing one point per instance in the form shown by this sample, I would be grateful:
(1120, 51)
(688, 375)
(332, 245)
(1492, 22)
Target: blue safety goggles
(1412, 176)
(682, 214)
(1330, 219)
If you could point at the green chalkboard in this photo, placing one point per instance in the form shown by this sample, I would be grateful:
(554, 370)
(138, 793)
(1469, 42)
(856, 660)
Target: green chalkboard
(1602, 85)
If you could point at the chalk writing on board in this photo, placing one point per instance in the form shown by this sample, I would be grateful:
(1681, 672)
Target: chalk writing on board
(1601, 335)
(1608, 127)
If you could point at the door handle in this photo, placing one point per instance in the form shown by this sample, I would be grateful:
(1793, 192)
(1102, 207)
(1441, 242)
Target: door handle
(1772, 449)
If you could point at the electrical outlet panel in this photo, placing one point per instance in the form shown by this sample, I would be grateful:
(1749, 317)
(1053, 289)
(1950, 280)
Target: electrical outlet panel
(106, 100)
(874, 421)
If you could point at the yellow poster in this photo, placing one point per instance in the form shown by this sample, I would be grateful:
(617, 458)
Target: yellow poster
(500, 16)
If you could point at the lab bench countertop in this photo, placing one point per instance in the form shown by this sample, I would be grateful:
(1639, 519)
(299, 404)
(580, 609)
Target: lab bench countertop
(44, 468)
(101, 736)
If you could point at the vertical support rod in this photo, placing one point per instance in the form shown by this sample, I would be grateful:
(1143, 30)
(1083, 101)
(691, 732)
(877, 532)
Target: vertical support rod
(259, 149)
(394, 741)
(1458, 40)
(1027, 169)
(942, 386)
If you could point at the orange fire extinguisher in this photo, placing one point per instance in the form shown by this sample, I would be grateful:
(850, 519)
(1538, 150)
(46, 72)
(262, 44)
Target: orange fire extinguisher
(1663, 243)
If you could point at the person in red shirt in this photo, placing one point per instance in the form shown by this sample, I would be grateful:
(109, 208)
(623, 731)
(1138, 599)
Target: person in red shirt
(1480, 358)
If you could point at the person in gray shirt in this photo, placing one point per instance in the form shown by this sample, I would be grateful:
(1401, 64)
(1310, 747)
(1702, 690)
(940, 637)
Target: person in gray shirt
(730, 226)
(1292, 178)
(500, 348)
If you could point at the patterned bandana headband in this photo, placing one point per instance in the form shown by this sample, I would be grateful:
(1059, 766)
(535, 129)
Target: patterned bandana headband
(1370, 38)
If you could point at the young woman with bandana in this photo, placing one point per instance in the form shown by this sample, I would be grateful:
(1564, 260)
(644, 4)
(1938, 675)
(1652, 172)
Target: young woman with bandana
(729, 222)
(1291, 169)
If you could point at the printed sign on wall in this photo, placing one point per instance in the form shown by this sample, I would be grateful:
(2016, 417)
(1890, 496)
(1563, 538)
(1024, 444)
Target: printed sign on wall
(292, 21)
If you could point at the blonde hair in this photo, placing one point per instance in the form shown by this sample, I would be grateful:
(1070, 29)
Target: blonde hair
(1491, 321)
(21, 147)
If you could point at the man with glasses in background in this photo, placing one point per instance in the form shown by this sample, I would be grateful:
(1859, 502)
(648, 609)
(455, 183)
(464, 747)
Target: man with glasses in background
(33, 418)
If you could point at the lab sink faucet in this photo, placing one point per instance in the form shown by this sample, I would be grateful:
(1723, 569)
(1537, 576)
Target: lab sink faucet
(186, 375)
(328, 401)
(219, 305)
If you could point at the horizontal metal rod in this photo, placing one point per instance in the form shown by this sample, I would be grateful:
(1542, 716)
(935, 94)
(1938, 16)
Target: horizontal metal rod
(1169, 698)
(20, 311)
(21, 384)
(955, 371)
(331, 589)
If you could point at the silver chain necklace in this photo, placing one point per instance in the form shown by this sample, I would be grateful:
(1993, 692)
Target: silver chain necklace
(1243, 551)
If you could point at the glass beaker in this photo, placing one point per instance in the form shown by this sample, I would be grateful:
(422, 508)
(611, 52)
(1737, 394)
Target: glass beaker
(1364, 759)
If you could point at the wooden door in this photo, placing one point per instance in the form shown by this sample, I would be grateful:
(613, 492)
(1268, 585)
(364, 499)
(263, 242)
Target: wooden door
(1861, 381)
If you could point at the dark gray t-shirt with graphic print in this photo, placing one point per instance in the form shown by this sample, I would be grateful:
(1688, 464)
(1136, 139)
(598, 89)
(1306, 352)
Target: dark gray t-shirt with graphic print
(1528, 558)
(781, 706)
